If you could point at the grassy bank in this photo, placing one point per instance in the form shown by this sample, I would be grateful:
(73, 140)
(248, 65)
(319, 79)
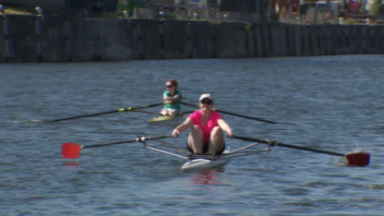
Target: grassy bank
(19, 10)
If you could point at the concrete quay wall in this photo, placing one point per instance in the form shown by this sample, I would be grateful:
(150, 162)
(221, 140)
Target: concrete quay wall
(37, 39)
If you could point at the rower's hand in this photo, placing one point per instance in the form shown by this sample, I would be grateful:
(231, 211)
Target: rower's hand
(175, 133)
(230, 134)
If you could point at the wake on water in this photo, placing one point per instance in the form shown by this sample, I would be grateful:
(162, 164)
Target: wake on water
(30, 120)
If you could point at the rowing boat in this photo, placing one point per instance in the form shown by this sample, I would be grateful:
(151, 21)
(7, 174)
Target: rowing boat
(193, 161)
(166, 120)
(201, 163)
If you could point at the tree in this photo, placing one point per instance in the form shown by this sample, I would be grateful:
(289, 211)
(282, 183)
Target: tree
(362, 7)
(375, 8)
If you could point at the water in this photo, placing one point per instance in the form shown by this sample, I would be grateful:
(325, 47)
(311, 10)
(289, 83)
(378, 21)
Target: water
(332, 103)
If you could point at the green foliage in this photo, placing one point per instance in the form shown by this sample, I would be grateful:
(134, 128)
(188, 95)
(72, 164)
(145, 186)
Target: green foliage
(174, 17)
(249, 27)
(131, 4)
(19, 10)
(193, 19)
(243, 25)
(350, 21)
(375, 8)
(215, 22)
(362, 9)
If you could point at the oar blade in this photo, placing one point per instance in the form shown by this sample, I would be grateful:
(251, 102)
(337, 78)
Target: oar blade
(358, 159)
(70, 150)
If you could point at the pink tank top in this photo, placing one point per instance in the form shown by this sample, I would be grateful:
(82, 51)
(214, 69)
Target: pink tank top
(212, 122)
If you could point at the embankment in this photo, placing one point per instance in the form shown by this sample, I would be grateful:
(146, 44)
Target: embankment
(33, 39)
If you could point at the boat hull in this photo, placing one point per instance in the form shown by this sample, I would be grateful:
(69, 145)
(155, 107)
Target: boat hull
(166, 120)
(200, 164)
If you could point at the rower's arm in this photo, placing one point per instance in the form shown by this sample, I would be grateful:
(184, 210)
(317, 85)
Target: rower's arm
(225, 127)
(170, 100)
(185, 125)
(167, 100)
(176, 98)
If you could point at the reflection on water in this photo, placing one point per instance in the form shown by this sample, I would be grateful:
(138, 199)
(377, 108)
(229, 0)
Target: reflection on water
(71, 163)
(209, 177)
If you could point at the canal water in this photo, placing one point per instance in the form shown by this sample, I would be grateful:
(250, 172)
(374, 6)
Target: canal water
(332, 103)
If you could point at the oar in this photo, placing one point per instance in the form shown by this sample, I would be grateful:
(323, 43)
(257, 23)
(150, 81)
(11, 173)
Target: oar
(148, 112)
(234, 114)
(107, 112)
(72, 150)
(355, 159)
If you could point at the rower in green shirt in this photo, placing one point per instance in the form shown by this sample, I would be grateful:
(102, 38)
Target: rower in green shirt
(172, 99)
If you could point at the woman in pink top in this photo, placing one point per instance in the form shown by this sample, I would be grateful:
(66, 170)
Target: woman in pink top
(207, 128)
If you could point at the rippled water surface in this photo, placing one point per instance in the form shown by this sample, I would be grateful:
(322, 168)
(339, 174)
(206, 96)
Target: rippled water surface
(332, 103)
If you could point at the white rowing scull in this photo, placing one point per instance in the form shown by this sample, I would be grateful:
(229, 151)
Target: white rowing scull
(200, 162)
(72, 151)
(166, 120)
(169, 120)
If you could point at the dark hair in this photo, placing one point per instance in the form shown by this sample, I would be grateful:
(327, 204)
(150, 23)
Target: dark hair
(174, 83)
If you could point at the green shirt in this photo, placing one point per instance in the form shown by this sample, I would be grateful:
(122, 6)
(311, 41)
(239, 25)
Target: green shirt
(175, 104)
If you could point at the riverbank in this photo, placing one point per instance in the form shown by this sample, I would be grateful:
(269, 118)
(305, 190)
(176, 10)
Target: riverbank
(57, 39)
(12, 10)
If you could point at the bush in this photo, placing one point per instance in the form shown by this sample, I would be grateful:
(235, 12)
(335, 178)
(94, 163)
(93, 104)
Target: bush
(349, 21)
(362, 9)
(375, 8)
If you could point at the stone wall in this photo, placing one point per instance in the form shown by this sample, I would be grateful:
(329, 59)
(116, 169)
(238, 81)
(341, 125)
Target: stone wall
(34, 39)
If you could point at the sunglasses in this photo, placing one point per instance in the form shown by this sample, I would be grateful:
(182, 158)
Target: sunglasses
(208, 102)
(169, 86)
